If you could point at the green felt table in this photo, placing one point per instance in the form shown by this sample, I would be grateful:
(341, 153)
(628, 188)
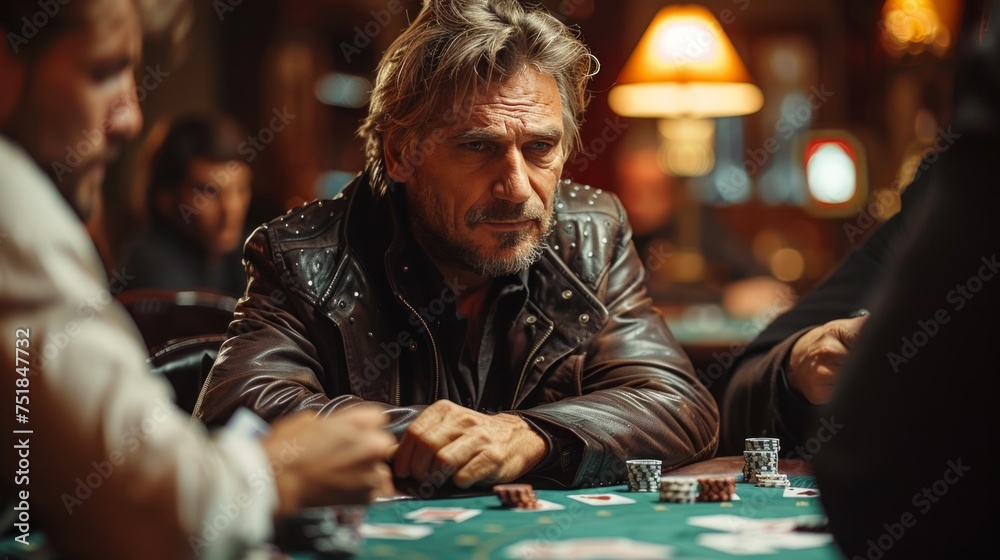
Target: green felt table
(489, 534)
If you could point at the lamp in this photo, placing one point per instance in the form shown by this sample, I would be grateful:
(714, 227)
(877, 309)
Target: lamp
(684, 67)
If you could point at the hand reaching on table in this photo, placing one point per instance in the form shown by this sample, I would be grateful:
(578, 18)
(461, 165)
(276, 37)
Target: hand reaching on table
(816, 357)
(341, 459)
(469, 446)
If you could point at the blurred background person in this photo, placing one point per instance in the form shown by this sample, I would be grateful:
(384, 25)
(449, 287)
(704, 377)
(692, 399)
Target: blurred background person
(198, 189)
(96, 411)
(729, 274)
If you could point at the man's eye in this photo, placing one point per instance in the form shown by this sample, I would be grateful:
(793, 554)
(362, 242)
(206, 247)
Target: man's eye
(475, 146)
(109, 71)
(540, 146)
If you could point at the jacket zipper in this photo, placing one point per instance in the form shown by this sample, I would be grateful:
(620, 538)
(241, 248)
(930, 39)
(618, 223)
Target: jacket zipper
(527, 364)
(437, 365)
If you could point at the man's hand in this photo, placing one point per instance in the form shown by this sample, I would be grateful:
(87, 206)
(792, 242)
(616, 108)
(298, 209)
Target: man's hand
(816, 358)
(472, 447)
(341, 459)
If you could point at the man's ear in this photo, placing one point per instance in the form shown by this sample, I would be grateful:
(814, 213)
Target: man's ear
(397, 166)
(12, 76)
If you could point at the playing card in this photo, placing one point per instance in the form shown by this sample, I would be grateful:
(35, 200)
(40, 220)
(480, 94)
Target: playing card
(733, 543)
(739, 524)
(793, 492)
(441, 515)
(394, 498)
(395, 531)
(601, 499)
(543, 505)
(761, 542)
(589, 549)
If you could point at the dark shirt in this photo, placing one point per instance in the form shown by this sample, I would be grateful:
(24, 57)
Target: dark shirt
(474, 373)
(164, 259)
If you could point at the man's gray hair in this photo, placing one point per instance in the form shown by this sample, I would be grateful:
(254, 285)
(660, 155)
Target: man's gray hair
(429, 76)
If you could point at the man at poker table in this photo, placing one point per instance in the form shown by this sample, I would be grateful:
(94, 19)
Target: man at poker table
(494, 311)
(97, 457)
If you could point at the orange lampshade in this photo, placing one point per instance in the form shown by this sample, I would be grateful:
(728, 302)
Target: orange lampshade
(684, 66)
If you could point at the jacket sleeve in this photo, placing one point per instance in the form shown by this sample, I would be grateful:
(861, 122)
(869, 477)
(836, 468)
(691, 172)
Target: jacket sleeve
(640, 398)
(758, 402)
(280, 378)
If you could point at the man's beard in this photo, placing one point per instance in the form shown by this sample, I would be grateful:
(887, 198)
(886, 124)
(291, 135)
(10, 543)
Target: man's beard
(429, 228)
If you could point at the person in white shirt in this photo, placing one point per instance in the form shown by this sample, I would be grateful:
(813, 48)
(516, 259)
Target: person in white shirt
(94, 453)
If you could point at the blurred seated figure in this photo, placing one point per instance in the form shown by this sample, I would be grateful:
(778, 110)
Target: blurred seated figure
(198, 196)
(905, 475)
(777, 383)
(726, 271)
(116, 470)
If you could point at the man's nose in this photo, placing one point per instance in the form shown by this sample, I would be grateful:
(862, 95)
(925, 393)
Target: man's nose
(514, 185)
(125, 120)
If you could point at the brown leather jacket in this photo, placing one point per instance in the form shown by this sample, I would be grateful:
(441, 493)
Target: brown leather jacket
(329, 321)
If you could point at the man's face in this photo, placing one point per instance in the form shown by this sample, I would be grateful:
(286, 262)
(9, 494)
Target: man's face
(482, 200)
(215, 198)
(77, 102)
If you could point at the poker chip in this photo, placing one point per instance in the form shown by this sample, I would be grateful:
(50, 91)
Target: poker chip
(762, 444)
(716, 488)
(520, 496)
(760, 457)
(756, 461)
(772, 480)
(643, 474)
(679, 489)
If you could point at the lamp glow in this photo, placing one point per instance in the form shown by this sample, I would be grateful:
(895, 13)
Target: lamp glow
(685, 66)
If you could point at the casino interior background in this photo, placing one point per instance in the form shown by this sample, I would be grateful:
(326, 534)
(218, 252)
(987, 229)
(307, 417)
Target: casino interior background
(855, 93)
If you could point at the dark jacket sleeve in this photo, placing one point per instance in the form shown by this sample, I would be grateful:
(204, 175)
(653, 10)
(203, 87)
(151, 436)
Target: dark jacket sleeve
(758, 402)
(284, 377)
(915, 405)
(640, 398)
(910, 472)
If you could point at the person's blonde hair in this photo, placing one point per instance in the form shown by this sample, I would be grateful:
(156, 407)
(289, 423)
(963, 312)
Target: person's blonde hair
(429, 76)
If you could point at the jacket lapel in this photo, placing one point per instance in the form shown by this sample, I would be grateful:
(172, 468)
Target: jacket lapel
(561, 313)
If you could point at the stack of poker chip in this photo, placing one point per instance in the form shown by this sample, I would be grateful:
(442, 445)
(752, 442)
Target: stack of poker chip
(716, 488)
(644, 474)
(772, 480)
(761, 456)
(521, 496)
(679, 489)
